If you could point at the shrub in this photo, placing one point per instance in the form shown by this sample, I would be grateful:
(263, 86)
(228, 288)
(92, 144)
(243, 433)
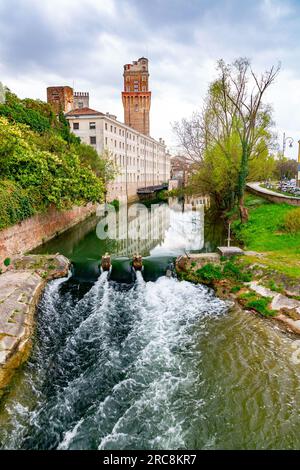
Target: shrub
(231, 270)
(15, 204)
(292, 221)
(261, 306)
(257, 303)
(6, 262)
(209, 272)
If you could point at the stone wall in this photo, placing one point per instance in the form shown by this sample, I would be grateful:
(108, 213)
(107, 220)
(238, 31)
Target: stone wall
(275, 198)
(38, 229)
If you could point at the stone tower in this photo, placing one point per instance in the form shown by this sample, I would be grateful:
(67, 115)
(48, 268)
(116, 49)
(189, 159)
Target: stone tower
(61, 98)
(136, 97)
(81, 99)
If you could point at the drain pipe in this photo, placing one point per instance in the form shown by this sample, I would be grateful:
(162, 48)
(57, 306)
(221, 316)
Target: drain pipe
(106, 262)
(137, 262)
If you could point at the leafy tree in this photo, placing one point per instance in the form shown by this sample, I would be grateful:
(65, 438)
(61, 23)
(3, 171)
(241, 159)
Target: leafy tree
(50, 178)
(233, 129)
(286, 167)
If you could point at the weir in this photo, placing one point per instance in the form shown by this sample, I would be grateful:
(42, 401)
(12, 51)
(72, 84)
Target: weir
(130, 359)
(124, 269)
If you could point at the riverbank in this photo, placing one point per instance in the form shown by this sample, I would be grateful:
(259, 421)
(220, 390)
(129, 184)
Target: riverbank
(267, 232)
(249, 286)
(20, 290)
(265, 280)
(36, 230)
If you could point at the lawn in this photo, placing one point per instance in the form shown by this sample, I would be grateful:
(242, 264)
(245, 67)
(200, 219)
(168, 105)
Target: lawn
(265, 232)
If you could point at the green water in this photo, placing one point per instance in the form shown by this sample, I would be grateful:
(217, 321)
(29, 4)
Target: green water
(157, 364)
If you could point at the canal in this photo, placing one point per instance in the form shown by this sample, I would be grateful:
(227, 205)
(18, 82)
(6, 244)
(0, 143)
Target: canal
(124, 361)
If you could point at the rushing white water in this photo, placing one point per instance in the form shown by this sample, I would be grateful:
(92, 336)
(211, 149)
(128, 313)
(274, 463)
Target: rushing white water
(114, 370)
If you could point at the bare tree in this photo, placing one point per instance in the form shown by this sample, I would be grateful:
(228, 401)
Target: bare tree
(233, 106)
(247, 111)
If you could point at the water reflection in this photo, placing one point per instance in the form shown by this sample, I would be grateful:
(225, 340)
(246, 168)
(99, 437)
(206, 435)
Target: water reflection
(165, 229)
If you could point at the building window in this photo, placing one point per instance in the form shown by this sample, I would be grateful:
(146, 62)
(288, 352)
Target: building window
(119, 131)
(136, 108)
(92, 125)
(105, 140)
(93, 140)
(106, 126)
(111, 128)
(75, 126)
(128, 88)
(115, 143)
(115, 130)
(143, 88)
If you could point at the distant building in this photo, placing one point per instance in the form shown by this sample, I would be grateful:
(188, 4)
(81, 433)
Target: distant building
(136, 96)
(81, 99)
(181, 168)
(142, 161)
(61, 98)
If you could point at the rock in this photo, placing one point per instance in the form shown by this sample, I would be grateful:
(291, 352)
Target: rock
(229, 251)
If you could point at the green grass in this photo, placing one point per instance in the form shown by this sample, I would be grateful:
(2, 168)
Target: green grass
(257, 303)
(265, 232)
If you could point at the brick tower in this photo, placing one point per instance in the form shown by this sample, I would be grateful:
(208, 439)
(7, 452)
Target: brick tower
(136, 97)
(61, 98)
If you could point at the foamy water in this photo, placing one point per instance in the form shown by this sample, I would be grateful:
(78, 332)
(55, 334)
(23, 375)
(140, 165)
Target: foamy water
(156, 365)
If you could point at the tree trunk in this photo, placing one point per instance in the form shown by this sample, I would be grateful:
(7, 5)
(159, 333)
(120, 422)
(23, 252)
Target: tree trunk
(242, 183)
(243, 210)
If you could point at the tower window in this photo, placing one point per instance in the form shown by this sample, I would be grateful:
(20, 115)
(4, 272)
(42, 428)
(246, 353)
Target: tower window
(136, 108)
(80, 104)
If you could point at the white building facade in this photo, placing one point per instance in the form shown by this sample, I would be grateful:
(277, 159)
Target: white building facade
(141, 161)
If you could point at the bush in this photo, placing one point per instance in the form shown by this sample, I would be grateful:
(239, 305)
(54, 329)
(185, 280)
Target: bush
(15, 204)
(261, 306)
(292, 221)
(36, 178)
(233, 271)
(210, 272)
(257, 303)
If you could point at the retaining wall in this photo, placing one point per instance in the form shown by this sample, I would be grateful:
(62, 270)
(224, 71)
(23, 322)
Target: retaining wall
(32, 232)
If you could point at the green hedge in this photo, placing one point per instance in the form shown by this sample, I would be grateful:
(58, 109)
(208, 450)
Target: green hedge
(16, 204)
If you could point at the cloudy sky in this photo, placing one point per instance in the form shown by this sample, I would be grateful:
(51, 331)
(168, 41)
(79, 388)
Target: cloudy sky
(86, 43)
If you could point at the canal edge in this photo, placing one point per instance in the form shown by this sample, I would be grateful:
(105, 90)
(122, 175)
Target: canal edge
(21, 287)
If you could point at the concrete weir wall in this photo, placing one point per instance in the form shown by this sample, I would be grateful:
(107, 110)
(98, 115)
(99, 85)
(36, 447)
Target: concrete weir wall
(38, 229)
